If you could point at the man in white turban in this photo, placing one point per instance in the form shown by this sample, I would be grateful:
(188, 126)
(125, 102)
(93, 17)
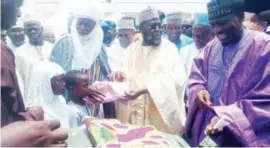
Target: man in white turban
(82, 49)
(157, 79)
(31, 53)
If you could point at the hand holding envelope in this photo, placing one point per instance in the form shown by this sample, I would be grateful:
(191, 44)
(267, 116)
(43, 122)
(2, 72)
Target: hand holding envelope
(216, 125)
(112, 91)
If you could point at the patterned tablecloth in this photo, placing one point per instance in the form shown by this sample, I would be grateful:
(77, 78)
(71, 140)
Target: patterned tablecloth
(104, 133)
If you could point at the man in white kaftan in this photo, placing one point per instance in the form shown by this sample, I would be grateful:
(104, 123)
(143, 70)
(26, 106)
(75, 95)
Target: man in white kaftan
(30, 54)
(157, 77)
(116, 53)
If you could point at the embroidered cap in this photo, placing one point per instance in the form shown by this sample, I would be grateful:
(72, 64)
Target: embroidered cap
(148, 14)
(220, 8)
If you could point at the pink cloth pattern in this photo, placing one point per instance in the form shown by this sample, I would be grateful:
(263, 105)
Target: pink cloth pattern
(128, 135)
(113, 91)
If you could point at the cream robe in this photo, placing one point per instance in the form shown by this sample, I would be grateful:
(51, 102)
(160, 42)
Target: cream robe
(187, 55)
(26, 57)
(116, 55)
(160, 71)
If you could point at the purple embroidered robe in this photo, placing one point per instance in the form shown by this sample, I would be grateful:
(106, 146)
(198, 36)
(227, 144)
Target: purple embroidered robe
(238, 80)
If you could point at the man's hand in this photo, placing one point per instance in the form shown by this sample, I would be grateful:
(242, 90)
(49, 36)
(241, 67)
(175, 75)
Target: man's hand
(34, 113)
(134, 95)
(95, 96)
(203, 100)
(33, 134)
(210, 130)
(117, 76)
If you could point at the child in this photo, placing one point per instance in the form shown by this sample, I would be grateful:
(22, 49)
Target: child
(77, 84)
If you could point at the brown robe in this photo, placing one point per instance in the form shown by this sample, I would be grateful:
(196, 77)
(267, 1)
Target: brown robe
(11, 98)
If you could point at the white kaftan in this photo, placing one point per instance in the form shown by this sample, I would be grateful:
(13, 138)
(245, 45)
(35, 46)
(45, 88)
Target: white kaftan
(26, 57)
(54, 106)
(159, 70)
(187, 54)
(116, 55)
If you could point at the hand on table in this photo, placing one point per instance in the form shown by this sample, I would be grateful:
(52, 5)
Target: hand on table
(33, 134)
(203, 100)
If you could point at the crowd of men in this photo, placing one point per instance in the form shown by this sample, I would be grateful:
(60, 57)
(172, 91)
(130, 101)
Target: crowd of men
(184, 75)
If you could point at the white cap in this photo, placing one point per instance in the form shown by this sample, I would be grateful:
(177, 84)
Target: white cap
(33, 17)
(148, 14)
(176, 17)
(126, 24)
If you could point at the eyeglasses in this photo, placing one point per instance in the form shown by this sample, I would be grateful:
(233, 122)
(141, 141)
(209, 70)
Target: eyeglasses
(155, 27)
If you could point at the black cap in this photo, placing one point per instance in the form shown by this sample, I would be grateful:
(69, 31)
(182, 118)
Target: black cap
(220, 8)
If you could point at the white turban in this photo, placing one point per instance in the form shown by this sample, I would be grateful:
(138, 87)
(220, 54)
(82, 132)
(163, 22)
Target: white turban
(88, 11)
(87, 47)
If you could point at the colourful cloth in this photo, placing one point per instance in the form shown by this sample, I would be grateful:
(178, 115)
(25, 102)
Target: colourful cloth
(239, 89)
(112, 91)
(112, 133)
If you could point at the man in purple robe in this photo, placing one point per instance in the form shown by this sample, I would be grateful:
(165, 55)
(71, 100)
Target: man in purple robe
(230, 80)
